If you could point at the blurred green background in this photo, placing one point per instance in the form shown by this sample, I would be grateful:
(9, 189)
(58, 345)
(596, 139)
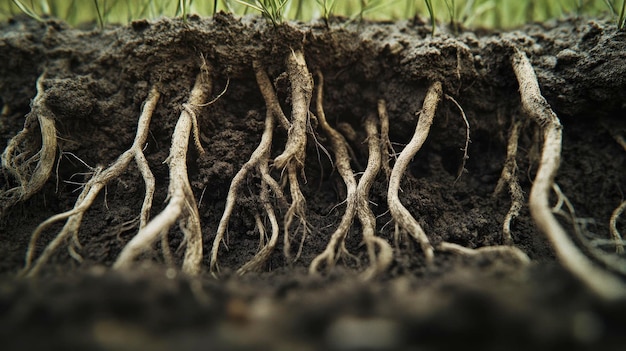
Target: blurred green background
(470, 13)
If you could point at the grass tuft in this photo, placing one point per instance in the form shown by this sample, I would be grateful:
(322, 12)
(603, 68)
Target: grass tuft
(500, 14)
(272, 10)
(27, 10)
(620, 17)
(327, 8)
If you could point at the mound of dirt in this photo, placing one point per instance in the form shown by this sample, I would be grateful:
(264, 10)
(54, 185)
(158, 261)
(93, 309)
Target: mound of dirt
(225, 183)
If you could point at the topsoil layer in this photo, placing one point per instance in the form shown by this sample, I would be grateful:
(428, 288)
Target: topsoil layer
(96, 82)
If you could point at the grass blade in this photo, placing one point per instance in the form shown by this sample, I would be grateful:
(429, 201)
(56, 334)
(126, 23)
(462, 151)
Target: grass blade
(622, 13)
(29, 12)
(431, 13)
(100, 19)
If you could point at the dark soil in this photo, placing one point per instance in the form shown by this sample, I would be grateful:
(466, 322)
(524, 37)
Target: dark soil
(96, 82)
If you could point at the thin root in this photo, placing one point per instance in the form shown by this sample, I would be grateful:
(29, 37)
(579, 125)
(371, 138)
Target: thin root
(617, 237)
(509, 176)
(386, 146)
(613, 262)
(31, 169)
(465, 149)
(258, 261)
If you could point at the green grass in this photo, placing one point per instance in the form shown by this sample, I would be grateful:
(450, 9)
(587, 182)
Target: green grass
(272, 10)
(469, 13)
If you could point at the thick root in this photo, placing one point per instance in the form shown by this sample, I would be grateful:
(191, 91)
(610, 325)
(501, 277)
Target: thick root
(293, 157)
(301, 93)
(400, 214)
(509, 176)
(182, 204)
(19, 163)
(602, 282)
(93, 187)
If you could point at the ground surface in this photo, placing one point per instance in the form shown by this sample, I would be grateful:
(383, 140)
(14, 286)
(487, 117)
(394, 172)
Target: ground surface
(97, 81)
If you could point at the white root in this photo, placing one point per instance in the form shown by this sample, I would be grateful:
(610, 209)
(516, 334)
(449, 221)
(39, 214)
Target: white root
(273, 107)
(378, 263)
(182, 204)
(342, 162)
(617, 237)
(93, 187)
(258, 159)
(400, 214)
(357, 202)
(509, 176)
(259, 260)
(13, 158)
(301, 92)
(600, 281)
(613, 262)
(386, 146)
(511, 251)
(293, 157)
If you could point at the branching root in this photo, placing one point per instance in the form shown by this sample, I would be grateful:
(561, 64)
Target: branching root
(258, 160)
(342, 163)
(182, 204)
(604, 283)
(293, 157)
(610, 261)
(31, 168)
(357, 198)
(91, 190)
(381, 261)
(509, 176)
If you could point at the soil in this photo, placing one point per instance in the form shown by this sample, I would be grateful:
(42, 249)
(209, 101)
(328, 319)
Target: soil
(97, 80)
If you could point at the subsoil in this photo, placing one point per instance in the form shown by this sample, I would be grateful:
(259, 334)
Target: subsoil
(97, 80)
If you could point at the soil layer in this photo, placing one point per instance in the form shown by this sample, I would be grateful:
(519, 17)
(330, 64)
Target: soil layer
(95, 84)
